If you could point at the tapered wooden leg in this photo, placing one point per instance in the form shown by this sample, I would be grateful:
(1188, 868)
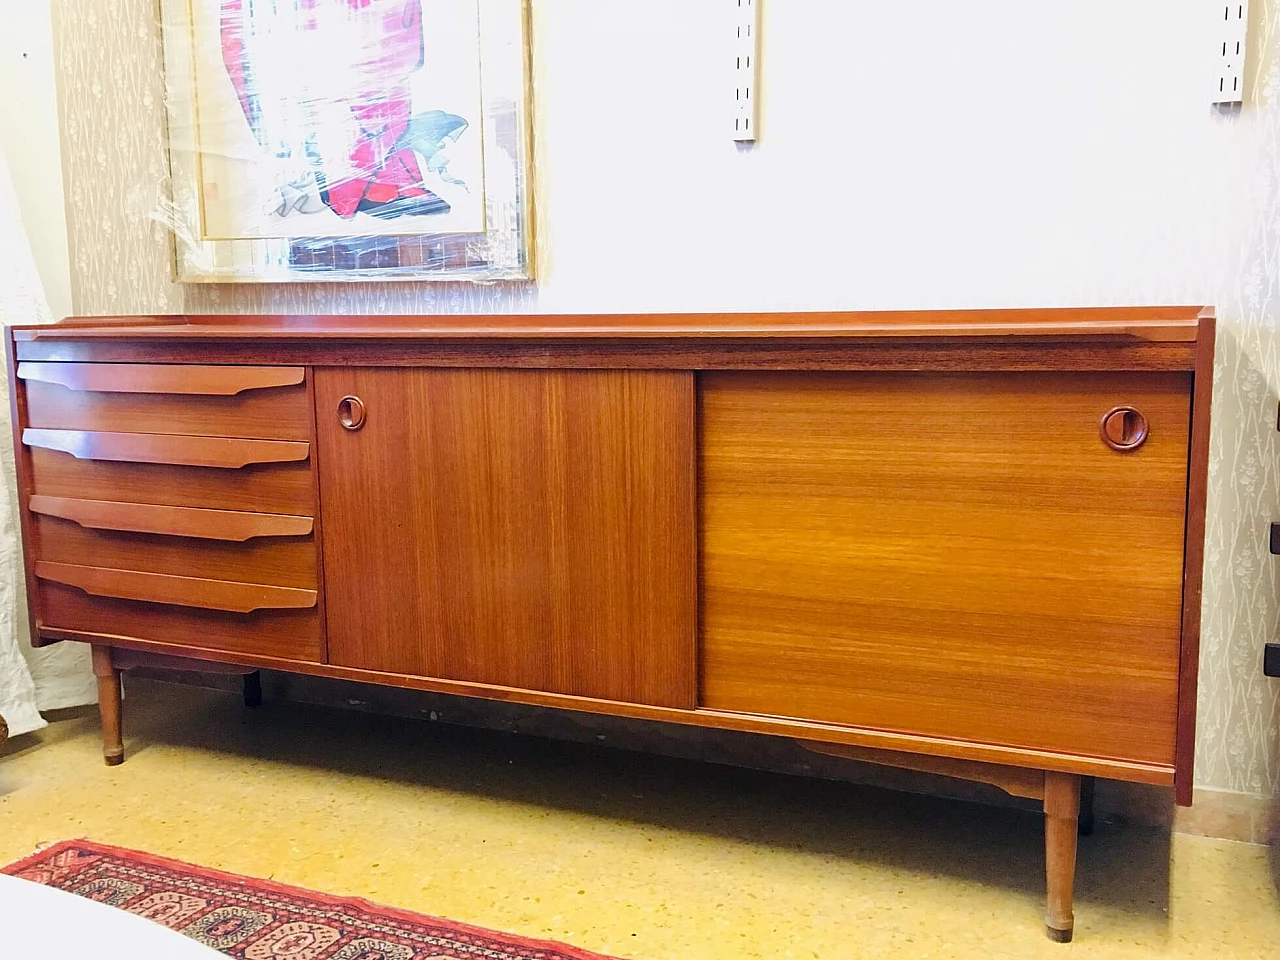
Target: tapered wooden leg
(109, 705)
(253, 689)
(1061, 813)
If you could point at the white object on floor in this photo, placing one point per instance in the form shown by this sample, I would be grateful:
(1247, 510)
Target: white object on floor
(56, 676)
(19, 303)
(39, 921)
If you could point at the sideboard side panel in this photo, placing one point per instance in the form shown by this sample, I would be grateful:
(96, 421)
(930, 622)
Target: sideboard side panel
(1193, 577)
(22, 469)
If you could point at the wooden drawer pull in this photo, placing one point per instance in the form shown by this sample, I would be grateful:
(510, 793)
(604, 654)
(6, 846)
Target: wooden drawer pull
(230, 525)
(1123, 429)
(351, 413)
(223, 452)
(223, 595)
(204, 381)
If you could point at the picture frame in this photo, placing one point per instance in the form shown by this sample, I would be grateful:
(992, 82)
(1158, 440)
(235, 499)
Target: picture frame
(227, 224)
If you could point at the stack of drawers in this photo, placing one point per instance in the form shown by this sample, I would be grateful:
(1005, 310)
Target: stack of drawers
(174, 504)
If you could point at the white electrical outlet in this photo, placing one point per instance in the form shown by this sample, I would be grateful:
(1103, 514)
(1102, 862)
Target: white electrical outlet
(1231, 20)
(746, 70)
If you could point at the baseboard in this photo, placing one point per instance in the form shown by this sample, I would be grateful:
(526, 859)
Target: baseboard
(1216, 813)
(1229, 816)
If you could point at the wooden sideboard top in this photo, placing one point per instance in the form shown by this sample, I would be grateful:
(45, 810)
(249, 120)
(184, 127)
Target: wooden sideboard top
(1153, 324)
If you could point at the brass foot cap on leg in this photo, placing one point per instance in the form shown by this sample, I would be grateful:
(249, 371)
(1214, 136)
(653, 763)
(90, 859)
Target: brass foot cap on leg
(113, 760)
(1058, 935)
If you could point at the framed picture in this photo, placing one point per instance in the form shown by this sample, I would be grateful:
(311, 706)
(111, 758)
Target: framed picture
(349, 139)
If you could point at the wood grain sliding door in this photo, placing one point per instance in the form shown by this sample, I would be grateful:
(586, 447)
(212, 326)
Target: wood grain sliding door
(949, 555)
(522, 528)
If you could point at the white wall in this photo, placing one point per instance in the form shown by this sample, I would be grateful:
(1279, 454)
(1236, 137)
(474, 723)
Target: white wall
(29, 139)
(914, 154)
(37, 287)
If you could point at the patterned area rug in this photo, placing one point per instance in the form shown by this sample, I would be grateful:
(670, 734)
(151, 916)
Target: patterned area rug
(261, 920)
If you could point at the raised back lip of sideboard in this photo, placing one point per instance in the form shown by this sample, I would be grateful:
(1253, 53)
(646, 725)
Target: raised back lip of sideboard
(1156, 323)
(1095, 338)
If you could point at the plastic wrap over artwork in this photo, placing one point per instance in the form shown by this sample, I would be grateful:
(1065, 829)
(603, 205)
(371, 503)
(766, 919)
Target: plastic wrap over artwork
(349, 139)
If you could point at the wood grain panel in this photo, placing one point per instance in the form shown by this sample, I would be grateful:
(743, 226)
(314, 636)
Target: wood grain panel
(711, 353)
(1193, 568)
(287, 634)
(946, 555)
(284, 488)
(218, 452)
(231, 525)
(275, 414)
(23, 475)
(188, 380)
(534, 529)
(288, 562)
(225, 595)
(1157, 323)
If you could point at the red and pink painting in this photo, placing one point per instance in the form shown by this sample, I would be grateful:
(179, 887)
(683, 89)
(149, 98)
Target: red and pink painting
(329, 118)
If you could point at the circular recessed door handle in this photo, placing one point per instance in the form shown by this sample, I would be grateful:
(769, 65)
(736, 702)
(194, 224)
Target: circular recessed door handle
(1124, 429)
(351, 413)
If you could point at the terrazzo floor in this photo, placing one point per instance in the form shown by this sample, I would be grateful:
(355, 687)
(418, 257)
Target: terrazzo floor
(627, 854)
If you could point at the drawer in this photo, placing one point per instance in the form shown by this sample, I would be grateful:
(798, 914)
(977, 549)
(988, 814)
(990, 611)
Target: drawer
(183, 591)
(211, 544)
(279, 488)
(268, 403)
(289, 634)
(224, 453)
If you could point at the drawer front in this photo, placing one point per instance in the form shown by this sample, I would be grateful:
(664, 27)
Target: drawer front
(223, 453)
(290, 634)
(277, 488)
(176, 589)
(268, 403)
(287, 561)
(957, 556)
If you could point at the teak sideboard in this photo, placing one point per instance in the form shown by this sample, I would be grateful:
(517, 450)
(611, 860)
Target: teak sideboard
(968, 543)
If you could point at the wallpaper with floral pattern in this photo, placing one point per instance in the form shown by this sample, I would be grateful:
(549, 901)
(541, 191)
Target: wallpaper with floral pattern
(114, 158)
